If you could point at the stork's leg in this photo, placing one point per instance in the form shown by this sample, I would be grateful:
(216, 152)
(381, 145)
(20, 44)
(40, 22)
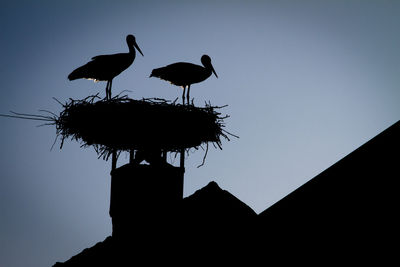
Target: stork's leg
(187, 96)
(109, 90)
(183, 95)
(114, 160)
(131, 156)
(182, 159)
(108, 83)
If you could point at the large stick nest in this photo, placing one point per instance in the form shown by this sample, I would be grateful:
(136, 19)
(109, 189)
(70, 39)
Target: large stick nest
(123, 124)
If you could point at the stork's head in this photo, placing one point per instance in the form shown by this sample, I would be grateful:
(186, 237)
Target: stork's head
(206, 61)
(131, 41)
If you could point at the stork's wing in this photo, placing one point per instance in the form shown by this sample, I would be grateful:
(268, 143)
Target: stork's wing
(103, 67)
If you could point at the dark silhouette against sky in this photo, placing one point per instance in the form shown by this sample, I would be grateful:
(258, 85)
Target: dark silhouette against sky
(107, 67)
(185, 74)
(341, 214)
(306, 83)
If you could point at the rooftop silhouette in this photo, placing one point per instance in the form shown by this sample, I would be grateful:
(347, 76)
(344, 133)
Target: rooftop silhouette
(196, 228)
(360, 189)
(346, 212)
(354, 202)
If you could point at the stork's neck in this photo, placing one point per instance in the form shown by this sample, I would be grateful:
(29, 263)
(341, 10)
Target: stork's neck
(208, 71)
(132, 51)
(208, 68)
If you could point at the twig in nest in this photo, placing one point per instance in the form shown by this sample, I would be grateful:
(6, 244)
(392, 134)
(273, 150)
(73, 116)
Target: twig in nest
(204, 158)
(55, 140)
(28, 116)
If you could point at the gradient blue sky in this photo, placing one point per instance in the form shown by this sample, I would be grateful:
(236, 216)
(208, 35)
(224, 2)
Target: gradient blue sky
(306, 82)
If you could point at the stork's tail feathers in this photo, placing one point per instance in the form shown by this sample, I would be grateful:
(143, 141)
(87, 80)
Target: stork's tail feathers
(74, 75)
(78, 73)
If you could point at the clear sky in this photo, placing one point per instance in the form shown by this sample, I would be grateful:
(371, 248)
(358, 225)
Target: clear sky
(306, 82)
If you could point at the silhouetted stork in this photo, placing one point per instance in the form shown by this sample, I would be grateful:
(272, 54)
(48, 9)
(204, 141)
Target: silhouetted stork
(106, 67)
(184, 74)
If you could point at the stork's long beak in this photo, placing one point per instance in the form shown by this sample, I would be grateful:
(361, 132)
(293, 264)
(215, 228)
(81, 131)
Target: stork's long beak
(138, 49)
(212, 68)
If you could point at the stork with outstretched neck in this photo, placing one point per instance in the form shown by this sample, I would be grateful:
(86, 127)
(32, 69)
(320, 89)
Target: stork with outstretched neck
(107, 67)
(185, 74)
